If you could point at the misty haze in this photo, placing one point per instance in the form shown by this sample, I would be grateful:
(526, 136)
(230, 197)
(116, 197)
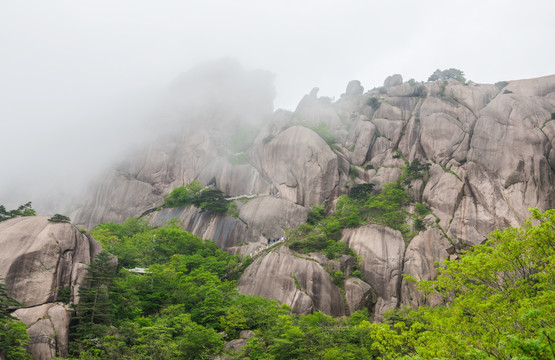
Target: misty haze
(277, 180)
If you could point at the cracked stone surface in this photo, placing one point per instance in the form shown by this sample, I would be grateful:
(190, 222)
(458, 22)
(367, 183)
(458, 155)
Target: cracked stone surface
(491, 152)
(301, 283)
(48, 329)
(38, 258)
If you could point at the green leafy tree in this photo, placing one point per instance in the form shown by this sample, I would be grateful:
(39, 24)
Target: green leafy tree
(93, 313)
(13, 333)
(386, 208)
(183, 195)
(58, 218)
(211, 200)
(316, 213)
(361, 191)
(500, 297)
(347, 212)
(451, 73)
(373, 102)
(6, 302)
(22, 210)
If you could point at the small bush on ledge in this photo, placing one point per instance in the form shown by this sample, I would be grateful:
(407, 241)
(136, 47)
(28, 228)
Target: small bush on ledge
(58, 218)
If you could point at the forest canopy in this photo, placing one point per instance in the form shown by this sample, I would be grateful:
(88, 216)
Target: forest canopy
(498, 304)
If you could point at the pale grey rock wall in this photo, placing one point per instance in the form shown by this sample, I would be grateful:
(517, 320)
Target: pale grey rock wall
(491, 151)
(48, 329)
(225, 231)
(38, 259)
(266, 216)
(273, 276)
(301, 166)
(358, 295)
(424, 250)
(393, 80)
(382, 251)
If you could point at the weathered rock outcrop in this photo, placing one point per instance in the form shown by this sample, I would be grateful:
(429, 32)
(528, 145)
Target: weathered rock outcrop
(312, 177)
(38, 259)
(491, 150)
(48, 329)
(301, 283)
(426, 248)
(359, 295)
(266, 216)
(382, 250)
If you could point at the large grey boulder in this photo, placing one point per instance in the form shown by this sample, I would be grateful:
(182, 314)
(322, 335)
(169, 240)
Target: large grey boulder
(313, 111)
(301, 283)
(382, 250)
(492, 156)
(39, 259)
(359, 295)
(302, 167)
(393, 80)
(354, 88)
(270, 216)
(360, 140)
(48, 329)
(425, 249)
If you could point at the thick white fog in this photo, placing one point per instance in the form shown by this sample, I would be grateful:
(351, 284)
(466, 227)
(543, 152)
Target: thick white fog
(81, 82)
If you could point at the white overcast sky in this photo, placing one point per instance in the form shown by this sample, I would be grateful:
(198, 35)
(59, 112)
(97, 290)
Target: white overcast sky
(72, 72)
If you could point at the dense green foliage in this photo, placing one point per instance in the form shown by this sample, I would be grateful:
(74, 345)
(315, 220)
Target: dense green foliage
(207, 199)
(22, 210)
(316, 213)
(322, 233)
(13, 333)
(500, 296)
(211, 200)
(59, 218)
(92, 316)
(447, 74)
(183, 195)
(174, 309)
(499, 302)
(373, 102)
(361, 191)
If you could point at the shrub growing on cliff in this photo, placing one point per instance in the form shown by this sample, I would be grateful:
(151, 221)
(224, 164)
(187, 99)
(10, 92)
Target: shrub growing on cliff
(414, 170)
(183, 195)
(92, 316)
(316, 213)
(59, 218)
(361, 191)
(451, 73)
(211, 200)
(13, 333)
(373, 102)
(22, 210)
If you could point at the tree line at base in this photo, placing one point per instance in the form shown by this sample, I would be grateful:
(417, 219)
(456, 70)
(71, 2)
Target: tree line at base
(498, 303)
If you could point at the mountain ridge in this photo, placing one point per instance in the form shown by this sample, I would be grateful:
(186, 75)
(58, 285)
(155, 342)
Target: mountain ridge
(491, 150)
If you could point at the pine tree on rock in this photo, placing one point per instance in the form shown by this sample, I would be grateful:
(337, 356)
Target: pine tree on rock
(13, 333)
(92, 316)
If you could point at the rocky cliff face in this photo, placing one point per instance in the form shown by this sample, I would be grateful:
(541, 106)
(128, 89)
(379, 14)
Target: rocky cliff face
(301, 283)
(491, 150)
(40, 260)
